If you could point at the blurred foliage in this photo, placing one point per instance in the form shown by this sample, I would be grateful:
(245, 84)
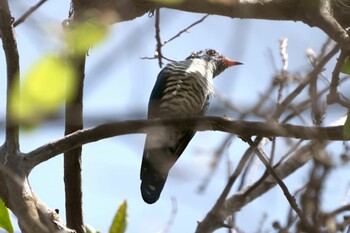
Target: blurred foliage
(5, 221)
(52, 79)
(80, 37)
(46, 86)
(90, 229)
(346, 129)
(346, 67)
(120, 220)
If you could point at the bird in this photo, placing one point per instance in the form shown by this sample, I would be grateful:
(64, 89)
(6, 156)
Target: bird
(182, 89)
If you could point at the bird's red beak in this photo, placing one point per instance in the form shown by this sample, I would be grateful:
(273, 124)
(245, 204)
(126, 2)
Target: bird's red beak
(229, 62)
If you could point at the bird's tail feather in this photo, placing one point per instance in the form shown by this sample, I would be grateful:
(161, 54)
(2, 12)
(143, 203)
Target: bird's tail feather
(152, 185)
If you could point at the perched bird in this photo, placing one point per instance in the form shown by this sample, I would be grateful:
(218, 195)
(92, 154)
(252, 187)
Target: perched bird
(182, 90)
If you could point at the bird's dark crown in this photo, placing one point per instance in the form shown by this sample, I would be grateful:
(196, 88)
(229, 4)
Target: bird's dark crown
(207, 54)
(211, 55)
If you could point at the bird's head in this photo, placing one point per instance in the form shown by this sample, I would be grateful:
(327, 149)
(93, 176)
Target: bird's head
(220, 62)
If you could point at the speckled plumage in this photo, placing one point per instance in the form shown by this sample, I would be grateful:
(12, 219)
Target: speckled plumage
(182, 89)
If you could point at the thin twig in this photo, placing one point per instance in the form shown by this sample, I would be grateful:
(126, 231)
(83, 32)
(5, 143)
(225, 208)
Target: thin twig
(284, 57)
(316, 112)
(334, 96)
(159, 41)
(305, 82)
(172, 216)
(215, 161)
(158, 53)
(28, 13)
(339, 210)
(215, 211)
(186, 29)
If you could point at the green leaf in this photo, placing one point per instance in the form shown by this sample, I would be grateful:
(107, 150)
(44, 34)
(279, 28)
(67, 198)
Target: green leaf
(5, 221)
(45, 87)
(119, 221)
(346, 67)
(346, 129)
(82, 36)
(90, 229)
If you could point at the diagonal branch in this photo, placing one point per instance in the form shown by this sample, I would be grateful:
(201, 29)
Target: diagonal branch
(265, 183)
(279, 181)
(28, 13)
(186, 29)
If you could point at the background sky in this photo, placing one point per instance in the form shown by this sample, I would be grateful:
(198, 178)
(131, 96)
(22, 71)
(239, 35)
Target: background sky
(118, 85)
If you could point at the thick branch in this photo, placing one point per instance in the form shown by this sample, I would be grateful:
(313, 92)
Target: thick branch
(242, 128)
(262, 9)
(314, 13)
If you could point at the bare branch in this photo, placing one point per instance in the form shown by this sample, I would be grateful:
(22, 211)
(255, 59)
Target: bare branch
(172, 216)
(266, 182)
(306, 81)
(158, 53)
(72, 158)
(28, 13)
(334, 96)
(74, 122)
(243, 128)
(12, 63)
(159, 41)
(186, 29)
(279, 181)
(218, 154)
(215, 213)
(284, 57)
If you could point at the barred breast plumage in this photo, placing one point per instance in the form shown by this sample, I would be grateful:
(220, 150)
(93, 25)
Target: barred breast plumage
(187, 89)
(182, 89)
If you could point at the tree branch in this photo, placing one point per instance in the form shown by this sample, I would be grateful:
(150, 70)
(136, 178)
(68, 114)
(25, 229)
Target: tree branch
(242, 128)
(72, 158)
(73, 123)
(12, 64)
(314, 13)
(28, 13)
(262, 9)
(265, 183)
(278, 180)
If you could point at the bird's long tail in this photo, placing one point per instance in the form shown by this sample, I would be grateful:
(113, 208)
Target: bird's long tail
(152, 185)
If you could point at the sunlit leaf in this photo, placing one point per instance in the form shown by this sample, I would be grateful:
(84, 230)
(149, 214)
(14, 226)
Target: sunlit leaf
(346, 67)
(82, 36)
(119, 221)
(90, 229)
(45, 87)
(5, 221)
(346, 129)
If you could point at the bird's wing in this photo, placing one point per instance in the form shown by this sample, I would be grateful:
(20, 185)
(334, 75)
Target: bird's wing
(157, 93)
(153, 110)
